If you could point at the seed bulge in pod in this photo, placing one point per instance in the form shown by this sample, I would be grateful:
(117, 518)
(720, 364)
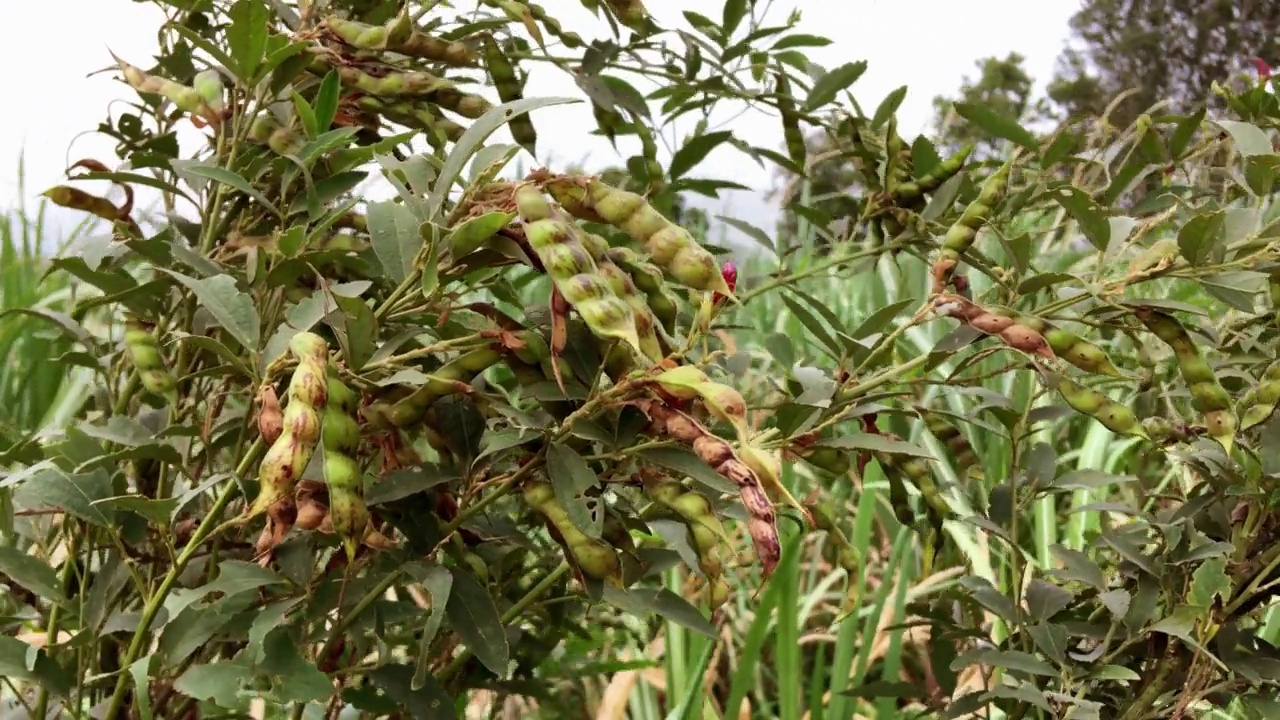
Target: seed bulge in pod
(696, 268)
(582, 288)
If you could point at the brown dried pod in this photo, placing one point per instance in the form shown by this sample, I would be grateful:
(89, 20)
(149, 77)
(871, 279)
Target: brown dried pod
(717, 453)
(270, 415)
(1015, 335)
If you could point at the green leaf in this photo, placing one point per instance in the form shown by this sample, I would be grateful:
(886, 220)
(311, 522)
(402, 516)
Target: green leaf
(473, 139)
(438, 582)
(406, 482)
(31, 573)
(751, 231)
(472, 614)
(876, 443)
(1117, 673)
(393, 232)
(232, 308)
(888, 107)
(52, 489)
(1091, 217)
(294, 678)
(157, 511)
(247, 36)
(424, 701)
(217, 682)
(880, 318)
(1044, 600)
(140, 670)
(571, 478)
(225, 177)
(1210, 581)
(1198, 236)
(469, 235)
(356, 328)
(685, 462)
(1180, 623)
(1050, 639)
(1007, 659)
(694, 151)
(661, 601)
(734, 12)
(799, 40)
(996, 124)
(826, 88)
(325, 102)
(1249, 138)
(20, 661)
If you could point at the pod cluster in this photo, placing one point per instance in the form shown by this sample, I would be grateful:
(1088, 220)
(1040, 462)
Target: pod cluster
(593, 557)
(144, 351)
(706, 534)
(1015, 334)
(1259, 402)
(1208, 397)
(559, 245)
(668, 245)
(964, 230)
(340, 440)
(306, 401)
(719, 455)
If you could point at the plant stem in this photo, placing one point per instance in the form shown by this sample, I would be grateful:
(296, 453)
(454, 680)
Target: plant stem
(1152, 691)
(156, 601)
(512, 613)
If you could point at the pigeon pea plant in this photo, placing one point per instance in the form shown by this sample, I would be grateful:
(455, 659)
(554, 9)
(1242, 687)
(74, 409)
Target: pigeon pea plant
(358, 458)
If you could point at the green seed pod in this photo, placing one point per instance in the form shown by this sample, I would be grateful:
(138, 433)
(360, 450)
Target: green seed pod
(1207, 394)
(896, 169)
(615, 533)
(418, 116)
(465, 104)
(509, 87)
(954, 440)
(1259, 403)
(340, 440)
(570, 260)
(187, 99)
(964, 231)
(399, 36)
(517, 12)
(648, 280)
(1114, 416)
(1073, 348)
(646, 323)
(827, 459)
(593, 557)
(906, 192)
(307, 399)
(208, 84)
(455, 376)
(534, 208)
(144, 352)
(670, 246)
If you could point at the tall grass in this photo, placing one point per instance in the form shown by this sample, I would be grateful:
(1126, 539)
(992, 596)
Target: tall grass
(35, 393)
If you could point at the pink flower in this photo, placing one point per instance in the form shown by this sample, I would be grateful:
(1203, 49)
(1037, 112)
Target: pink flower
(730, 274)
(1264, 70)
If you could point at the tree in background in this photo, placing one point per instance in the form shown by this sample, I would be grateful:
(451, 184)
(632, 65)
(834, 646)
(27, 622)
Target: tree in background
(1003, 86)
(1170, 51)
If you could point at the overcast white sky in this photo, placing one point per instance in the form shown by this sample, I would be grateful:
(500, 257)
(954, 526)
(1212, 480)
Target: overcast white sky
(929, 45)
